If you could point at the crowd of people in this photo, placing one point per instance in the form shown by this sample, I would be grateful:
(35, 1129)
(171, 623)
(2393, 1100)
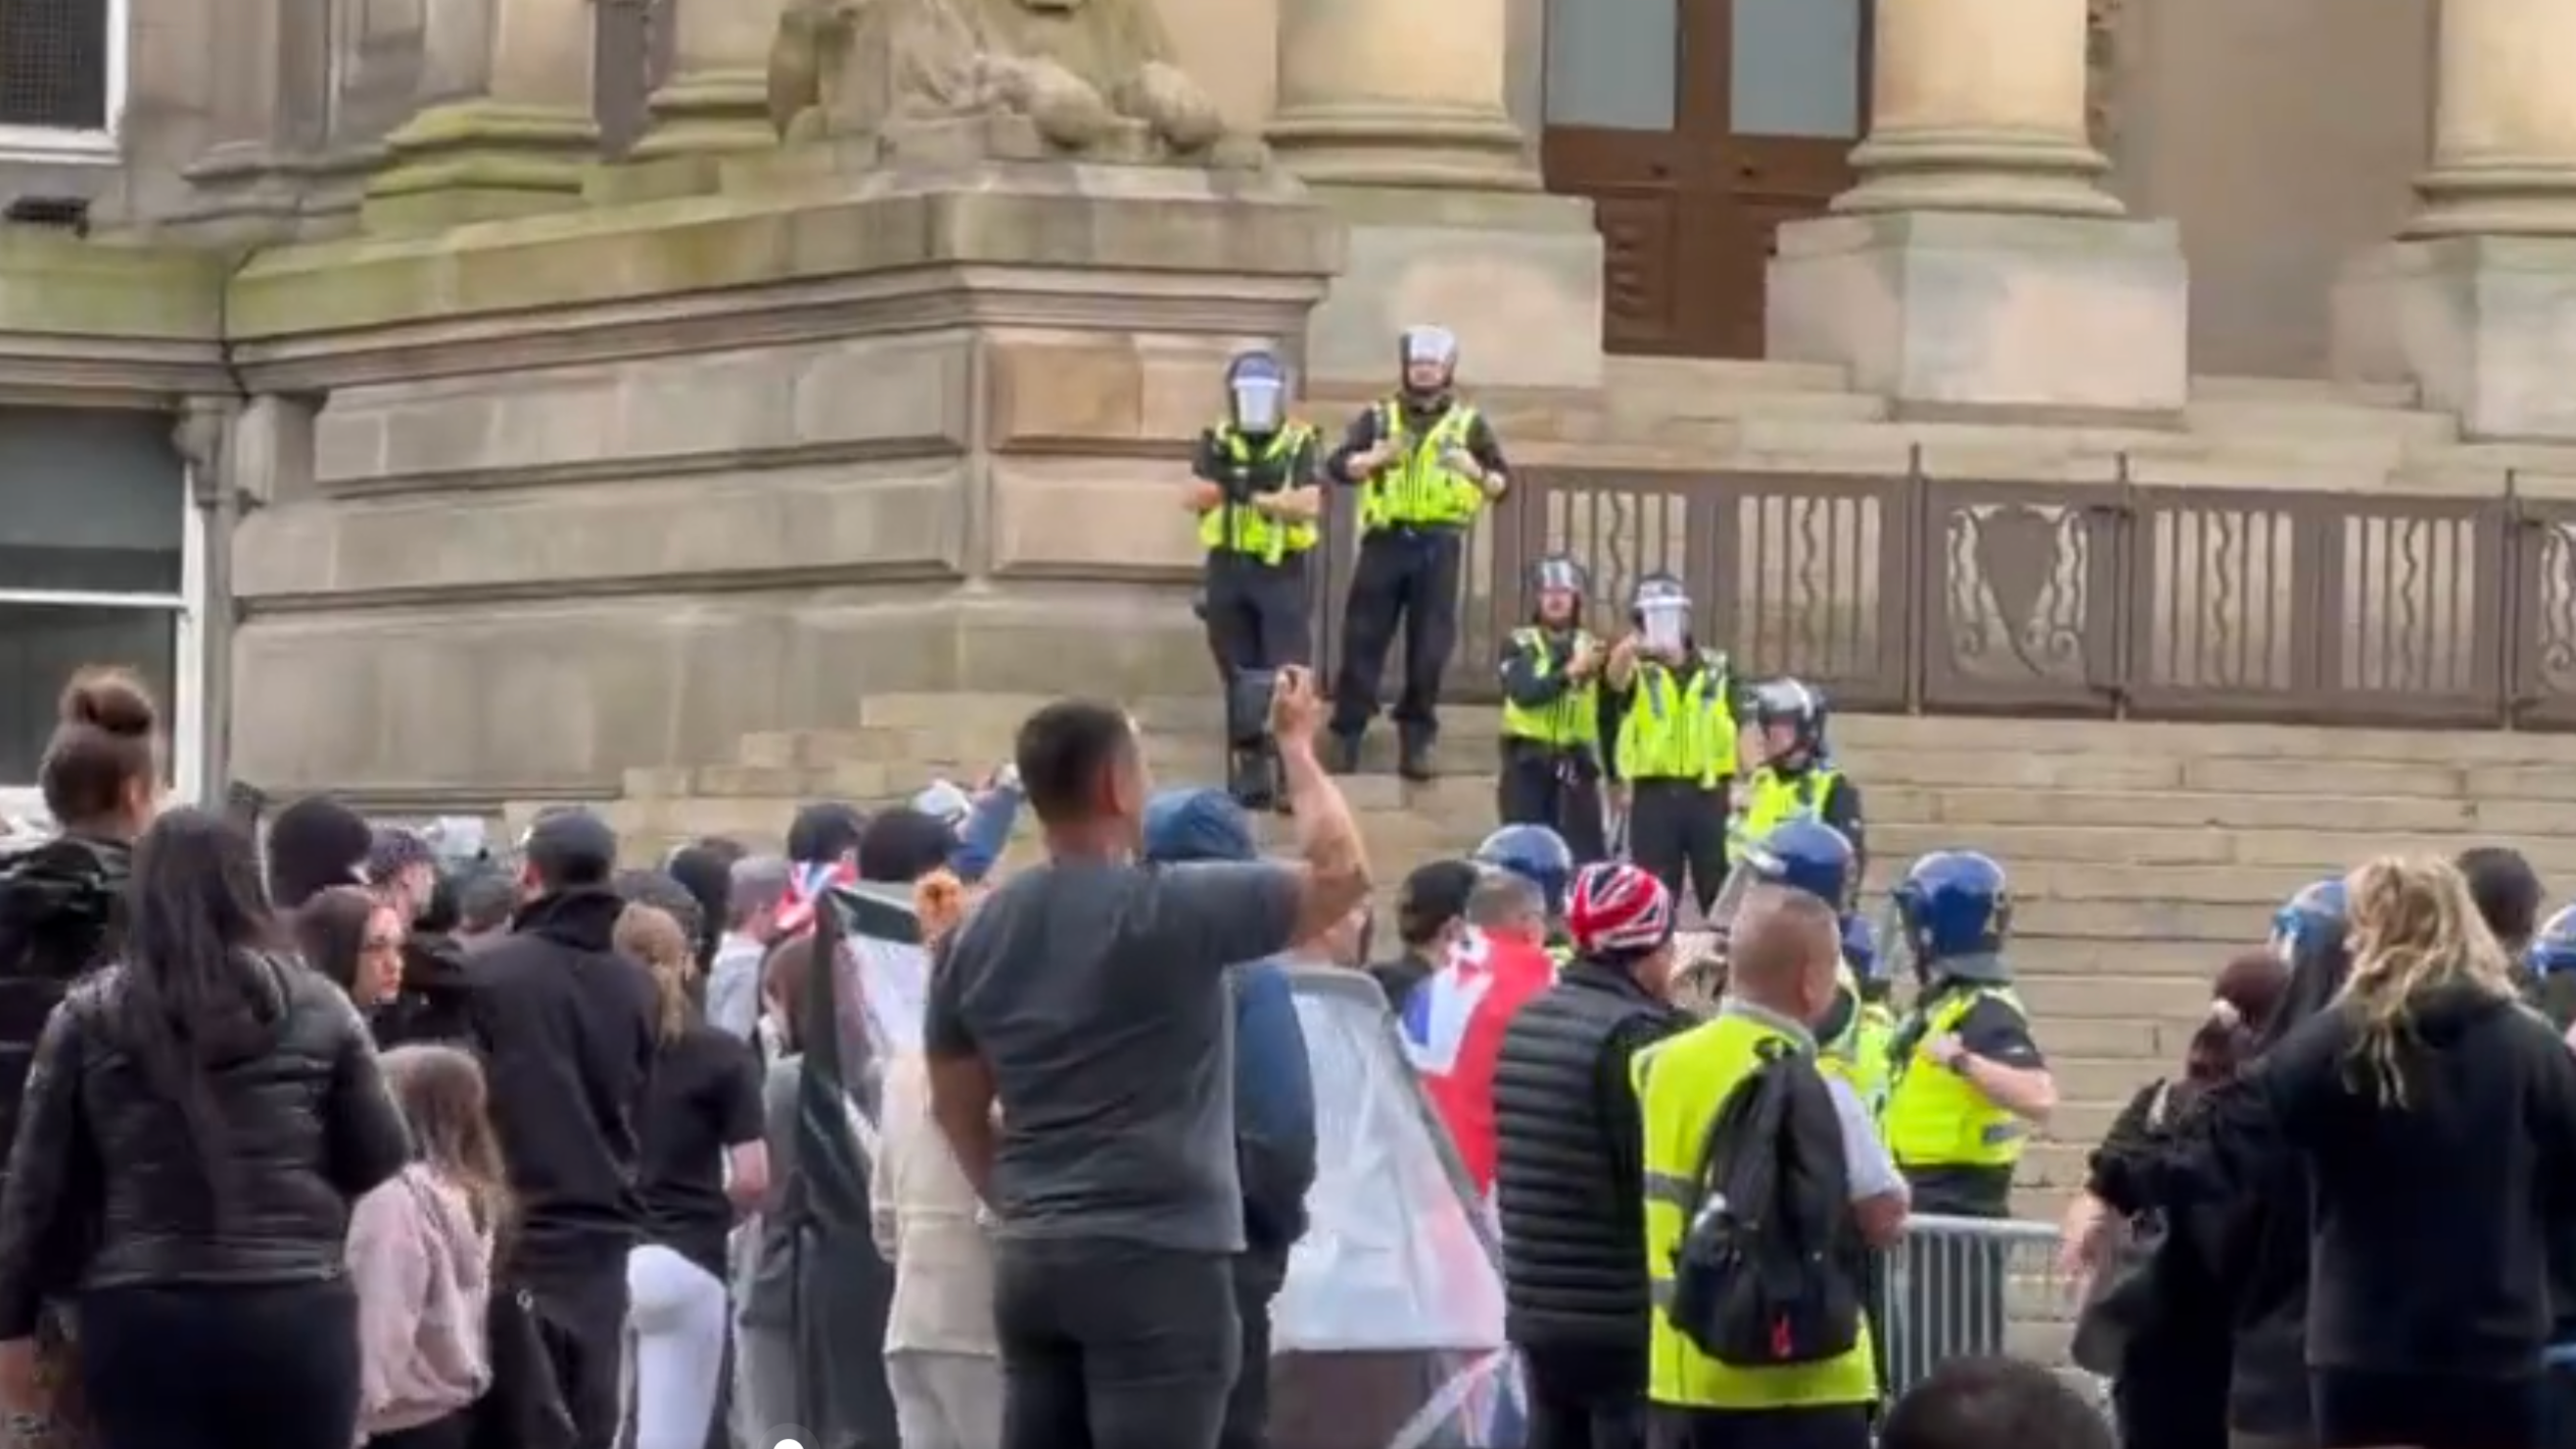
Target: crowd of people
(344, 1142)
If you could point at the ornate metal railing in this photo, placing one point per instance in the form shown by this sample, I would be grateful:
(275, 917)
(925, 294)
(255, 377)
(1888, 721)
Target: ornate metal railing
(2113, 599)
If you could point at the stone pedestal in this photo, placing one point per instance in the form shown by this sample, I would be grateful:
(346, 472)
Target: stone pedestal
(716, 103)
(1396, 116)
(1978, 263)
(509, 132)
(2475, 304)
(917, 429)
(2059, 315)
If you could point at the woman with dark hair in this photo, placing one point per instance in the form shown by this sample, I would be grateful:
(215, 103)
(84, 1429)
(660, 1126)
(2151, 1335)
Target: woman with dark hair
(201, 1116)
(2157, 1309)
(352, 936)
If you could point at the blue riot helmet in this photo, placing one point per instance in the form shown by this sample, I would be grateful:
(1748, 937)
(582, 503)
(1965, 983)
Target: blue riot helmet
(2315, 915)
(1790, 715)
(1860, 953)
(1803, 855)
(1951, 904)
(1256, 392)
(1535, 854)
(2553, 950)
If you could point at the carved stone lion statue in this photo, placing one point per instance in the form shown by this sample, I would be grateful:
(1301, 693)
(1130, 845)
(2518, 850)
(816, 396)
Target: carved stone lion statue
(1090, 77)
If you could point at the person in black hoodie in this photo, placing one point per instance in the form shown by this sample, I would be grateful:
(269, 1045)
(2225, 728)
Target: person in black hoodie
(565, 1026)
(2436, 1117)
(1430, 916)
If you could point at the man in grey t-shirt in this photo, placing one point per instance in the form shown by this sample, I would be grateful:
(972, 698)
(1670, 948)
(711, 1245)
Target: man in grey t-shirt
(1087, 1000)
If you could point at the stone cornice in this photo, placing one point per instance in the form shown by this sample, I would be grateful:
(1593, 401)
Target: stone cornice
(927, 299)
(40, 370)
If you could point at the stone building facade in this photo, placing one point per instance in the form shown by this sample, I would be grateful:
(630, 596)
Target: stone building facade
(523, 412)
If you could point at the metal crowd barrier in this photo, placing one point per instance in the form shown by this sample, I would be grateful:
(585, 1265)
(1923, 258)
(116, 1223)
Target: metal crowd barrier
(1964, 1287)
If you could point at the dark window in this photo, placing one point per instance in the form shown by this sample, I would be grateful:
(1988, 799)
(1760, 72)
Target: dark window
(53, 64)
(42, 644)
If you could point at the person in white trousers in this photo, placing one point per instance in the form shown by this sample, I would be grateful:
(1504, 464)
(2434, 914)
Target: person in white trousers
(704, 1155)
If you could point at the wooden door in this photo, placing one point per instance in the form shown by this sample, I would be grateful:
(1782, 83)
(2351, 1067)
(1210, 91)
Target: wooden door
(1696, 127)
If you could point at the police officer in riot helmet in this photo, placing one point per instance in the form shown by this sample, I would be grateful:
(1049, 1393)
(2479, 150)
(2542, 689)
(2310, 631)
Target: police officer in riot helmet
(1674, 749)
(1811, 856)
(1540, 856)
(1551, 735)
(1794, 776)
(1257, 497)
(1425, 465)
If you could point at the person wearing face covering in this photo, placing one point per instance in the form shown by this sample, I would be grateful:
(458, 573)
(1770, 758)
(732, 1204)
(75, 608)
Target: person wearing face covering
(1257, 499)
(1425, 465)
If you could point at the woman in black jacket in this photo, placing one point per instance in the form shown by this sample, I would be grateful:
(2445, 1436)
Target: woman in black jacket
(200, 1117)
(2164, 1299)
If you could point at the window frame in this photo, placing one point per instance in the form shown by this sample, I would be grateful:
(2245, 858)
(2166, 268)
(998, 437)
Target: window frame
(185, 717)
(82, 146)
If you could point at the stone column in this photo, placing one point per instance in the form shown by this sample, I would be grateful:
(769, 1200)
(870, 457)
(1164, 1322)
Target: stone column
(1397, 115)
(1397, 95)
(717, 99)
(2504, 121)
(507, 128)
(2475, 304)
(1978, 262)
(1979, 105)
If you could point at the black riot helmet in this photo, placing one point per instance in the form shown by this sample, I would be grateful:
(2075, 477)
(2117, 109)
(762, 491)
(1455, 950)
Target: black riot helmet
(1791, 715)
(1427, 348)
(1558, 574)
(1256, 393)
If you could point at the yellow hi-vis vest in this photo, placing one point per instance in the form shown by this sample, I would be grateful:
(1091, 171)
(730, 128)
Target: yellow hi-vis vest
(1232, 528)
(1937, 1118)
(1772, 799)
(1859, 1055)
(1572, 718)
(1682, 1083)
(1677, 731)
(1420, 490)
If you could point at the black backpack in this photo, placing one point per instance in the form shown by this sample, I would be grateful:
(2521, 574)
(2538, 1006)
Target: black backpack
(1771, 1272)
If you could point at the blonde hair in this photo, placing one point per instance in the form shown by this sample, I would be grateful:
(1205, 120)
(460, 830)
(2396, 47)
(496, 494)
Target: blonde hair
(2415, 927)
(441, 1092)
(653, 936)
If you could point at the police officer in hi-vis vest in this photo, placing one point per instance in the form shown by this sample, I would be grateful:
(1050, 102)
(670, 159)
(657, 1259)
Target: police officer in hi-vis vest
(1784, 959)
(1551, 742)
(1257, 498)
(1967, 1085)
(1794, 778)
(1674, 754)
(1425, 464)
(1811, 856)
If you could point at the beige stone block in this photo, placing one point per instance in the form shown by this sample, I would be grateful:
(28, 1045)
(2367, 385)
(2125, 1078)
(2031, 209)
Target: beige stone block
(1090, 517)
(1956, 309)
(2482, 326)
(660, 782)
(848, 521)
(753, 781)
(1517, 277)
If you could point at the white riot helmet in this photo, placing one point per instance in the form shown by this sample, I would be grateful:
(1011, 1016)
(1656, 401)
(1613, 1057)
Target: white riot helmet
(1256, 392)
(1437, 346)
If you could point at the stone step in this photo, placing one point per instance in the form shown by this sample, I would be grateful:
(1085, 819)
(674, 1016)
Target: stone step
(2235, 419)
(2312, 852)
(1686, 377)
(2222, 387)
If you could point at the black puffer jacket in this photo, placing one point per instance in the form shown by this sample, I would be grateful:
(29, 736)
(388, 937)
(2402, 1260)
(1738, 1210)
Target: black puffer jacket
(107, 1185)
(1567, 1178)
(59, 909)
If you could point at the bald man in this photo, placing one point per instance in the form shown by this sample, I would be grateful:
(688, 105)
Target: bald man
(1784, 954)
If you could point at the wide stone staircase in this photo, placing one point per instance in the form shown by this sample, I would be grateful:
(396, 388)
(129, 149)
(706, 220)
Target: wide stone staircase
(2142, 855)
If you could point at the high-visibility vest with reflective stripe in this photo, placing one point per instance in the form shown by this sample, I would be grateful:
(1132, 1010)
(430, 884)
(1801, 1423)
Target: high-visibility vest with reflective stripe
(1682, 1083)
(1573, 717)
(1419, 489)
(1680, 731)
(1233, 528)
(1859, 1055)
(1773, 798)
(1936, 1117)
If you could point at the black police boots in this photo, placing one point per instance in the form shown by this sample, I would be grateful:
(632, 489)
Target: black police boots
(1413, 758)
(1342, 754)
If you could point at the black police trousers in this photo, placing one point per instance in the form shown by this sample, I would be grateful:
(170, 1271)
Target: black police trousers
(1407, 577)
(1256, 614)
(1677, 830)
(1560, 789)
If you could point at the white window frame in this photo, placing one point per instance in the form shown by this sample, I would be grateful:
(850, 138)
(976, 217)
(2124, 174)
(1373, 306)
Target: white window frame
(186, 719)
(25, 144)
